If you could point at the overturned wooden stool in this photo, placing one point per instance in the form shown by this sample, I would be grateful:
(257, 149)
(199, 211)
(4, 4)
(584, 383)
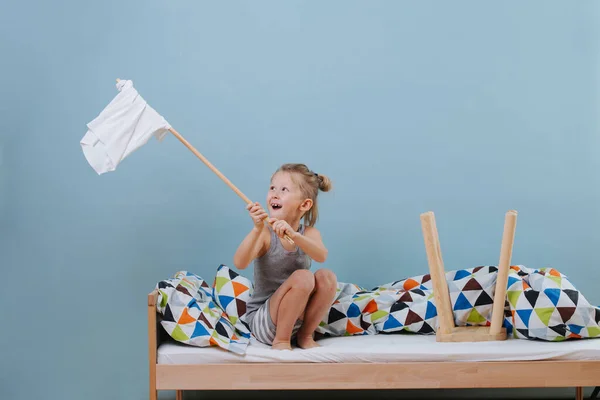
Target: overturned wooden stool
(447, 331)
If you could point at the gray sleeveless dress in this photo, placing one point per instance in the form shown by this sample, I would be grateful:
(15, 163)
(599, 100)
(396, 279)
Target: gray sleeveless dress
(270, 272)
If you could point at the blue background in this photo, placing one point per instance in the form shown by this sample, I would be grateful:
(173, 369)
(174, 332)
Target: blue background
(466, 108)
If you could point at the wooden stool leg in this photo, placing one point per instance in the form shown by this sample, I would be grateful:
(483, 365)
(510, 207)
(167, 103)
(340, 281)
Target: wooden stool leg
(508, 238)
(179, 395)
(579, 393)
(438, 275)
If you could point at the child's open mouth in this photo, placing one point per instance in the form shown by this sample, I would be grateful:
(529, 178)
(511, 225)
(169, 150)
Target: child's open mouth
(276, 206)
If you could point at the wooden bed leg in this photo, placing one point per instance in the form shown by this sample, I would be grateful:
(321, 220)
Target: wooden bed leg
(179, 395)
(152, 344)
(437, 273)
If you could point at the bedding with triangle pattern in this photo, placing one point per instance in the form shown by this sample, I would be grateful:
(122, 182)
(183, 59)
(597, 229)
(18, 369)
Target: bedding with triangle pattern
(540, 304)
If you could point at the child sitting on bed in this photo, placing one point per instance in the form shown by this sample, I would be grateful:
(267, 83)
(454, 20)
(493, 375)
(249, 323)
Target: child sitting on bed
(289, 301)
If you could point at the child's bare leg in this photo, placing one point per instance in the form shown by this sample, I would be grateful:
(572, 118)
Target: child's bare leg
(288, 303)
(318, 306)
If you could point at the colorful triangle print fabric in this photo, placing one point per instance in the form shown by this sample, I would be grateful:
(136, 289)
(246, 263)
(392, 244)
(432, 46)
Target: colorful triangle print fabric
(544, 304)
(199, 315)
(540, 304)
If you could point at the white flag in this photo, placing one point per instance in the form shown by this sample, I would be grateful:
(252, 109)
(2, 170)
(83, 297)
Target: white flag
(125, 125)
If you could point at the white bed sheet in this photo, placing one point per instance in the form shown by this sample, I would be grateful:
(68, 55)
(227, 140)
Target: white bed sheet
(387, 348)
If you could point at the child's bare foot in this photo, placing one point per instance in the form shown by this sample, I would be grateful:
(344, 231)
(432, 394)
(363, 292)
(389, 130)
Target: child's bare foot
(307, 342)
(281, 346)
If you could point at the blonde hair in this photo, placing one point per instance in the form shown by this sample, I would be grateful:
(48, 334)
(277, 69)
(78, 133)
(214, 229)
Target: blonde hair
(309, 183)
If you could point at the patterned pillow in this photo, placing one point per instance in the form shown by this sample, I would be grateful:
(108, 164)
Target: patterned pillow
(545, 305)
(190, 316)
(232, 292)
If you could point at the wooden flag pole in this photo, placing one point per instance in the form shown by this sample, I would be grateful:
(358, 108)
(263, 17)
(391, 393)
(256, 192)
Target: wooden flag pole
(209, 165)
(216, 171)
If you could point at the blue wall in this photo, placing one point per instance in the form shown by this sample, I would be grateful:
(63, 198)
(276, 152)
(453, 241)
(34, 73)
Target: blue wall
(463, 108)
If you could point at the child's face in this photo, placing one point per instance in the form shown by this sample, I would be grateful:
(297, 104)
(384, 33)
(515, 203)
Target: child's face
(285, 200)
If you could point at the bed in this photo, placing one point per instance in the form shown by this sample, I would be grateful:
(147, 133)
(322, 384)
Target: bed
(454, 357)
(365, 362)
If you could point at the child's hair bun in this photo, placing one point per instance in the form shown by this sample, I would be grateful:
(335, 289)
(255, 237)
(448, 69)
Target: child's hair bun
(324, 183)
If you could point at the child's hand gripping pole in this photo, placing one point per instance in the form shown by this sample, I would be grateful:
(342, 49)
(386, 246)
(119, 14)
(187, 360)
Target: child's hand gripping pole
(216, 171)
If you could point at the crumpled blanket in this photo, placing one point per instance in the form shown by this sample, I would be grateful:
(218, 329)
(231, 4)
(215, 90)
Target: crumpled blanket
(540, 304)
(194, 313)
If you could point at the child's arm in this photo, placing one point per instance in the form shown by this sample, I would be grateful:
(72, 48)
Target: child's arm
(253, 246)
(255, 243)
(311, 242)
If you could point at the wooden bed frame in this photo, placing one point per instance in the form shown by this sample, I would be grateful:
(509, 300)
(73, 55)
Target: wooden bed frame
(401, 375)
(343, 376)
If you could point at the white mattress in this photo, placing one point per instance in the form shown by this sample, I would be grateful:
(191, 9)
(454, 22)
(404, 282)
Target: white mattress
(387, 348)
